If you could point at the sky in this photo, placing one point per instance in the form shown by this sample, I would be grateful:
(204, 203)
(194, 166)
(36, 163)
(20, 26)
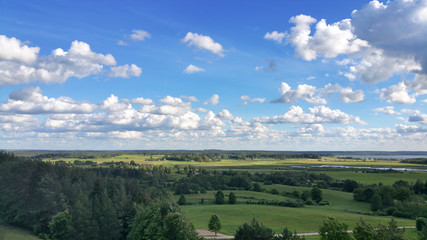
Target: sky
(303, 75)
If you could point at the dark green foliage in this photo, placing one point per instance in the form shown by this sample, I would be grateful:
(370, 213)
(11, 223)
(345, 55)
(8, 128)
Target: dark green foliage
(214, 224)
(349, 185)
(422, 235)
(334, 230)
(316, 194)
(253, 231)
(376, 202)
(420, 223)
(389, 232)
(232, 198)
(364, 231)
(256, 187)
(161, 220)
(286, 234)
(60, 226)
(182, 200)
(219, 197)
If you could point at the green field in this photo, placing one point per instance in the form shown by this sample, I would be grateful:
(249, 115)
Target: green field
(307, 219)
(241, 197)
(370, 178)
(11, 233)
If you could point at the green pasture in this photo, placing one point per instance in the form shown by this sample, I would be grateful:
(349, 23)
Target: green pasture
(241, 197)
(371, 178)
(307, 219)
(338, 200)
(248, 164)
(7, 232)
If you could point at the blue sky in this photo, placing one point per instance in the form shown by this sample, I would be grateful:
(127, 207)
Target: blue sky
(259, 75)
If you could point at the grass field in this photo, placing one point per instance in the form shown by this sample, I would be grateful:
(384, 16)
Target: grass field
(370, 178)
(245, 164)
(241, 197)
(307, 219)
(11, 233)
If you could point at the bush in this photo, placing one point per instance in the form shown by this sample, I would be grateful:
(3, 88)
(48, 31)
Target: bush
(420, 223)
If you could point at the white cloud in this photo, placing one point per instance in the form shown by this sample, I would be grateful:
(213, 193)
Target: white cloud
(29, 100)
(275, 36)
(397, 94)
(142, 101)
(304, 92)
(203, 42)
(225, 114)
(328, 40)
(214, 100)
(258, 68)
(13, 49)
(190, 98)
(246, 100)
(112, 104)
(308, 92)
(318, 114)
(79, 61)
(389, 110)
(121, 43)
(193, 69)
(139, 35)
(125, 71)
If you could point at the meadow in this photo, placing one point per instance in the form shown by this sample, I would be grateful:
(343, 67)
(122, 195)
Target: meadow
(7, 233)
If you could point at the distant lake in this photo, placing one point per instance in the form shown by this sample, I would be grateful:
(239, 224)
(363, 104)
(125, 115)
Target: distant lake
(375, 156)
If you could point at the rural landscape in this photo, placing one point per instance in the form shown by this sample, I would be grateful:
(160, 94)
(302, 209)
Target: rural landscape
(171, 194)
(190, 120)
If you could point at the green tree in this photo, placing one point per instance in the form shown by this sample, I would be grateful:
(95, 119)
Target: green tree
(214, 224)
(60, 226)
(182, 200)
(376, 202)
(232, 198)
(316, 194)
(390, 232)
(420, 223)
(219, 197)
(334, 230)
(363, 231)
(162, 220)
(422, 235)
(256, 187)
(288, 235)
(253, 231)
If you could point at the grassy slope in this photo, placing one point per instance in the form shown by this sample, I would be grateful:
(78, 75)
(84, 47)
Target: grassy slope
(7, 232)
(306, 219)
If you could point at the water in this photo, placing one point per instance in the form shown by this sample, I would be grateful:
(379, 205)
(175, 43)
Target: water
(379, 156)
(370, 168)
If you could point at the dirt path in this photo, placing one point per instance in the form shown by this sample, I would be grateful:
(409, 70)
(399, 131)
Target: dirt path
(211, 235)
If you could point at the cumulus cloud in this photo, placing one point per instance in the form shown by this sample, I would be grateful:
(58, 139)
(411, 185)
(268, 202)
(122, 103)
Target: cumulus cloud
(275, 36)
(398, 93)
(389, 110)
(214, 100)
(304, 92)
(125, 71)
(318, 114)
(246, 100)
(139, 35)
(328, 40)
(312, 94)
(79, 61)
(30, 100)
(193, 69)
(225, 114)
(204, 43)
(13, 49)
(376, 46)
